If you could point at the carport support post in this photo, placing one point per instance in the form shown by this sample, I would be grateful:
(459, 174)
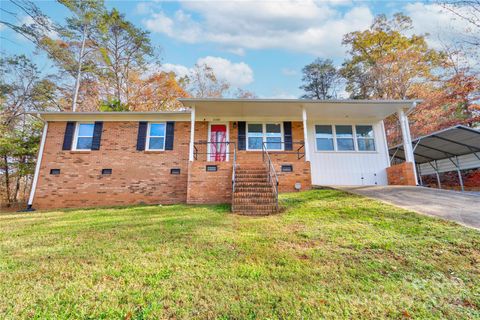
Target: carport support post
(407, 140)
(435, 168)
(419, 172)
(305, 134)
(457, 165)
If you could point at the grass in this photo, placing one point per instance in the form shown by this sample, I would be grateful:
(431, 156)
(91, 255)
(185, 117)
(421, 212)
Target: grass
(330, 255)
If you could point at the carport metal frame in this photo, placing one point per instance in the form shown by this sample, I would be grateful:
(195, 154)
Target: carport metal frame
(452, 157)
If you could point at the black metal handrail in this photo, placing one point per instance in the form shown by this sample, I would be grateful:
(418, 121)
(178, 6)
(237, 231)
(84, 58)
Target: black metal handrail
(207, 153)
(299, 151)
(272, 175)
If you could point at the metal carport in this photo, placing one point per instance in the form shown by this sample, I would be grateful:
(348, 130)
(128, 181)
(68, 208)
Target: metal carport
(458, 145)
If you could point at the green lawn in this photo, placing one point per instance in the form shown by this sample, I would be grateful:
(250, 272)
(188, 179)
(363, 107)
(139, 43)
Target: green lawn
(330, 255)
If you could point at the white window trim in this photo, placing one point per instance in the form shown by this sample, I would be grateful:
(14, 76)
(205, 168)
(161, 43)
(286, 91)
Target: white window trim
(147, 143)
(264, 135)
(355, 142)
(356, 138)
(333, 137)
(335, 144)
(75, 136)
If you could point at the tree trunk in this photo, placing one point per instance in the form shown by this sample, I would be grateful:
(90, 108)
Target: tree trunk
(7, 180)
(79, 70)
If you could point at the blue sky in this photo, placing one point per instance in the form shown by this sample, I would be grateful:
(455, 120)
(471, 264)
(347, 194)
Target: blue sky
(258, 46)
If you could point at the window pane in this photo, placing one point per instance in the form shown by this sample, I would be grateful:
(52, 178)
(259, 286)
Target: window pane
(274, 143)
(324, 144)
(84, 143)
(345, 144)
(344, 131)
(255, 143)
(366, 144)
(255, 128)
(364, 131)
(157, 129)
(323, 131)
(156, 143)
(273, 128)
(85, 130)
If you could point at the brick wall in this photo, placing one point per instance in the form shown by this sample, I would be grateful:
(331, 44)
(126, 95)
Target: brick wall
(144, 176)
(137, 176)
(209, 187)
(401, 174)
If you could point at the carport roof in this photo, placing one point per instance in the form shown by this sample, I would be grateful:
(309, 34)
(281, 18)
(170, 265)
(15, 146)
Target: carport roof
(454, 141)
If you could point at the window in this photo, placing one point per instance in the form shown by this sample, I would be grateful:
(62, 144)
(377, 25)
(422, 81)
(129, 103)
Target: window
(344, 136)
(175, 171)
(365, 138)
(273, 136)
(270, 133)
(287, 168)
(324, 138)
(106, 171)
(84, 136)
(54, 171)
(156, 136)
(255, 136)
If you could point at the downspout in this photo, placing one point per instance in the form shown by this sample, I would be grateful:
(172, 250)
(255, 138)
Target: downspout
(192, 133)
(37, 166)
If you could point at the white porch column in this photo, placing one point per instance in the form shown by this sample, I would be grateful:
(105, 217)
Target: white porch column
(192, 133)
(37, 166)
(305, 134)
(407, 140)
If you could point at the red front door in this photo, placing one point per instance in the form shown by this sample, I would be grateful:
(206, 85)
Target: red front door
(218, 145)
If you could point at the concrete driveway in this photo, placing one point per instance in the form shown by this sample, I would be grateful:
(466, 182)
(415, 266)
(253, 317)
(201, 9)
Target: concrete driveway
(461, 207)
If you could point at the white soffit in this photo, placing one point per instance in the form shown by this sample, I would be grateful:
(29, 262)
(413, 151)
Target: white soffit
(292, 108)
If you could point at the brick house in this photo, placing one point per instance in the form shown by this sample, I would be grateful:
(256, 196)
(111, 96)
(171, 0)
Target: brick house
(235, 151)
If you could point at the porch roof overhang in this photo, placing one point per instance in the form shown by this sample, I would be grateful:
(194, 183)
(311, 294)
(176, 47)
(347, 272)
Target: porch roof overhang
(291, 109)
(113, 116)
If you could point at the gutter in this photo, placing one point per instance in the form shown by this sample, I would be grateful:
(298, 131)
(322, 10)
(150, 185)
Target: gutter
(38, 164)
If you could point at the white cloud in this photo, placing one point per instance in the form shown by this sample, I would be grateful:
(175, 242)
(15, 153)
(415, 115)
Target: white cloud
(314, 27)
(442, 25)
(237, 74)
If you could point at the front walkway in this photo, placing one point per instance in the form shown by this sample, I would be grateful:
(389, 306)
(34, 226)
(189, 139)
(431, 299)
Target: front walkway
(463, 208)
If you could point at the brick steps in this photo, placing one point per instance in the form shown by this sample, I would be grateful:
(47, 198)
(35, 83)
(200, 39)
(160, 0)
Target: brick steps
(253, 194)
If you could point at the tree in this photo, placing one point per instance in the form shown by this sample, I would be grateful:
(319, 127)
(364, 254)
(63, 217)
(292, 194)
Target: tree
(203, 83)
(321, 80)
(123, 49)
(469, 12)
(85, 15)
(21, 90)
(68, 46)
(245, 94)
(157, 92)
(385, 62)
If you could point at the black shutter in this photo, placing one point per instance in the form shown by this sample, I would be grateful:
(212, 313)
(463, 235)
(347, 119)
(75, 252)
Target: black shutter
(287, 135)
(142, 135)
(170, 133)
(68, 137)
(242, 137)
(97, 135)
